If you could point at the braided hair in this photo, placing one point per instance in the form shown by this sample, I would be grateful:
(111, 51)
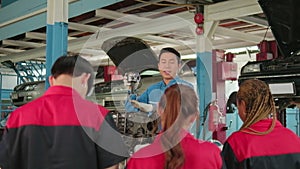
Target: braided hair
(259, 104)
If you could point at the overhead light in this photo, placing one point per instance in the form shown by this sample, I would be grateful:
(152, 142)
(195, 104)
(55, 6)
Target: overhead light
(192, 56)
(244, 49)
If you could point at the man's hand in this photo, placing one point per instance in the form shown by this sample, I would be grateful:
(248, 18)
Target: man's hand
(142, 106)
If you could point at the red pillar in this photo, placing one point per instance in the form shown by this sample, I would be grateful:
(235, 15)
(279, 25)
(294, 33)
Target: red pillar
(223, 69)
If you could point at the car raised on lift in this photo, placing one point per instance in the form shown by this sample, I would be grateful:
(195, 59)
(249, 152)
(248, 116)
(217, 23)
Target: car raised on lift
(282, 74)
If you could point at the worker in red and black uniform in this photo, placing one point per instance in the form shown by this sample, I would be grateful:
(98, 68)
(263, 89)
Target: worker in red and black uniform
(262, 142)
(175, 147)
(61, 129)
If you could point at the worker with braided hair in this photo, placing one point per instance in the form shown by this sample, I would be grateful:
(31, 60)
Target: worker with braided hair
(261, 142)
(175, 147)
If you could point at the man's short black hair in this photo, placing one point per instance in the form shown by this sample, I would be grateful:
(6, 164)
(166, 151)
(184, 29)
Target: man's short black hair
(73, 65)
(170, 50)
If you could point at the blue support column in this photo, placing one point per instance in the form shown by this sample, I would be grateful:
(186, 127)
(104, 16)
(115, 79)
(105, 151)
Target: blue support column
(204, 78)
(57, 33)
(0, 96)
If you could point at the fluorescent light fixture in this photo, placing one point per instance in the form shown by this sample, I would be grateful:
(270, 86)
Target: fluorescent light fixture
(191, 56)
(243, 49)
(282, 88)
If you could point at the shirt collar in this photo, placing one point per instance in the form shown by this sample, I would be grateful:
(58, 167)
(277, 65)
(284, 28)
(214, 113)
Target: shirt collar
(173, 81)
(62, 90)
(183, 133)
(264, 124)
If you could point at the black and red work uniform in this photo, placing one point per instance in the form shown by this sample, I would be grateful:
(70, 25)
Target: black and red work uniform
(198, 154)
(60, 130)
(279, 149)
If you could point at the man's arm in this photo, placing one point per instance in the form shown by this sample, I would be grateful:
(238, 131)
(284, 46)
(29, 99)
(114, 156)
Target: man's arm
(143, 98)
(144, 107)
(128, 106)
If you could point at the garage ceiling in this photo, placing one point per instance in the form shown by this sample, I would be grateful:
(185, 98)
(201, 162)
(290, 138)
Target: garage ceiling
(228, 24)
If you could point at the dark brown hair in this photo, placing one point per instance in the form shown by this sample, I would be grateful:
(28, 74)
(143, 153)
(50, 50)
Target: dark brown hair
(170, 50)
(73, 65)
(177, 104)
(259, 104)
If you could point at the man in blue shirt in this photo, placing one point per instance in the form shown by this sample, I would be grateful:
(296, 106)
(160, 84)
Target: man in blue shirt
(168, 65)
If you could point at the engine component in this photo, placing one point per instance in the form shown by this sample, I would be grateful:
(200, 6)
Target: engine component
(132, 80)
(136, 128)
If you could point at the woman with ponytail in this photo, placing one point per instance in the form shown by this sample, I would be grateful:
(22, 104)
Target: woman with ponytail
(262, 142)
(175, 147)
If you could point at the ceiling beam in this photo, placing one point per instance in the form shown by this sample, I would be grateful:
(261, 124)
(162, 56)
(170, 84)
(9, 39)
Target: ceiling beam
(22, 43)
(26, 55)
(83, 27)
(268, 33)
(37, 15)
(115, 22)
(131, 18)
(231, 9)
(40, 36)
(154, 26)
(232, 44)
(125, 9)
(254, 20)
(143, 36)
(10, 50)
(210, 28)
(238, 35)
(28, 9)
(92, 52)
(35, 35)
(161, 39)
(120, 13)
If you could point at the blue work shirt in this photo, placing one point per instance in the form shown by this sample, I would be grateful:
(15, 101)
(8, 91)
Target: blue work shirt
(152, 94)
